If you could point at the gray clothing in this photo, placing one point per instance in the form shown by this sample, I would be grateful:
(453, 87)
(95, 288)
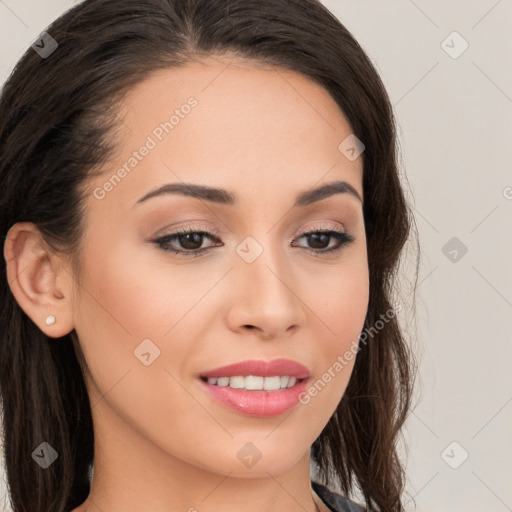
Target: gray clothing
(334, 501)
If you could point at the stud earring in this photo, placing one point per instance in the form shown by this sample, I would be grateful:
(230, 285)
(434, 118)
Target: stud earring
(50, 320)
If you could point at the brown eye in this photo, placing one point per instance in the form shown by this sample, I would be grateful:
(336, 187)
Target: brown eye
(319, 240)
(188, 239)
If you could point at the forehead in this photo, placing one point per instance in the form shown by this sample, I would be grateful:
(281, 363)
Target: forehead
(232, 124)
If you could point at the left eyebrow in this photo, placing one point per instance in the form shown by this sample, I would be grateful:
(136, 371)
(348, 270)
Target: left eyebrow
(325, 191)
(221, 196)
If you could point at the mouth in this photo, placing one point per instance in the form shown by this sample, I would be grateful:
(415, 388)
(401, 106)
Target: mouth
(257, 388)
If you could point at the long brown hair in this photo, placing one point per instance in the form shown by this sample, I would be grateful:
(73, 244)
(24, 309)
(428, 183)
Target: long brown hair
(56, 127)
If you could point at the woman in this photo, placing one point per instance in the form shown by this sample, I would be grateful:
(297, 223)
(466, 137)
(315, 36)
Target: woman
(203, 219)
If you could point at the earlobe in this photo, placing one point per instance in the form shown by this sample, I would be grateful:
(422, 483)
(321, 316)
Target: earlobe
(38, 280)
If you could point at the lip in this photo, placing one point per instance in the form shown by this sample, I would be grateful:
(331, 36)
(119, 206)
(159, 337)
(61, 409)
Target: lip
(262, 368)
(258, 403)
(261, 403)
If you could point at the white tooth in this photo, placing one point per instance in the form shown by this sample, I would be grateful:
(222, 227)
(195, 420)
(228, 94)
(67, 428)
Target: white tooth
(272, 383)
(237, 382)
(223, 381)
(253, 382)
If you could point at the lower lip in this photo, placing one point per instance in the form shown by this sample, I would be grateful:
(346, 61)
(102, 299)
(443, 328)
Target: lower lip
(257, 403)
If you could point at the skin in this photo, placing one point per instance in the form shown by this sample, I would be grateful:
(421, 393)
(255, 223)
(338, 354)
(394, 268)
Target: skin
(161, 443)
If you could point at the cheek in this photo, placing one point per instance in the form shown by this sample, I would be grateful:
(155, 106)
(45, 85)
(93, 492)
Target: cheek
(131, 296)
(132, 312)
(124, 313)
(341, 303)
(122, 321)
(341, 300)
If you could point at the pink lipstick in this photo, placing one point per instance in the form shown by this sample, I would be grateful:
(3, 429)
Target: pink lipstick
(257, 388)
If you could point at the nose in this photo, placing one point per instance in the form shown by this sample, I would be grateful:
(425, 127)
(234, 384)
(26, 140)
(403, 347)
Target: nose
(266, 298)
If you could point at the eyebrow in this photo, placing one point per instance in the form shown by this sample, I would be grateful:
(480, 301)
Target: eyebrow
(221, 196)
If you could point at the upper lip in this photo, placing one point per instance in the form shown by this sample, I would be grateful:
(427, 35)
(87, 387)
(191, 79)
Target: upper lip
(262, 368)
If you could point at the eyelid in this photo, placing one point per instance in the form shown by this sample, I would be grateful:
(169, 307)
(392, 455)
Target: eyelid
(323, 226)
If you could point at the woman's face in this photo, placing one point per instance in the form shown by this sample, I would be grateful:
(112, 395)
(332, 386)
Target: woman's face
(152, 322)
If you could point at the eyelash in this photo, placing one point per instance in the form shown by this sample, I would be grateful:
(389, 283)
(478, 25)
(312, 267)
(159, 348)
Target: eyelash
(344, 239)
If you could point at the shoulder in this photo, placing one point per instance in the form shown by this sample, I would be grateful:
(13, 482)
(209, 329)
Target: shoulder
(334, 501)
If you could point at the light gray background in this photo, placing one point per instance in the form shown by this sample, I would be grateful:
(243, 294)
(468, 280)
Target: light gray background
(454, 117)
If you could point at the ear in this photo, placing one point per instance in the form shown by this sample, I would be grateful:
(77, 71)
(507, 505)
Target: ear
(39, 279)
